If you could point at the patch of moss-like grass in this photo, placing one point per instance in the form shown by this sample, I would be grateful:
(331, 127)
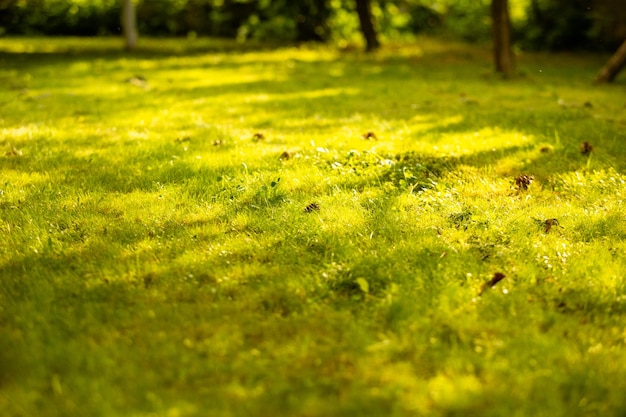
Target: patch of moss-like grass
(206, 228)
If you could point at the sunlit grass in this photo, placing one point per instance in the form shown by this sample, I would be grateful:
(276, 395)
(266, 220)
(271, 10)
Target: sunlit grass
(211, 228)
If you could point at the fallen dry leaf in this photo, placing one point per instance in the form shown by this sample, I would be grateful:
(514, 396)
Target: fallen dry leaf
(311, 208)
(586, 148)
(522, 182)
(497, 277)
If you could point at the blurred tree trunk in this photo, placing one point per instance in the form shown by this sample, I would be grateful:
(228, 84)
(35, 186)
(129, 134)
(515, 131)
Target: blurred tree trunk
(501, 24)
(364, 9)
(613, 66)
(129, 24)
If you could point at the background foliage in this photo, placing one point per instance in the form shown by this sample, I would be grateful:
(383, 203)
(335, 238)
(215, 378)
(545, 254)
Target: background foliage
(539, 24)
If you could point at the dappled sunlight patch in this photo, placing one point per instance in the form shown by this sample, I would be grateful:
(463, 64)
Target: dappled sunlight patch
(473, 181)
(159, 210)
(407, 202)
(455, 392)
(421, 124)
(511, 164)
(342, 215)
(599, 223)
(110, 89)
(137, 134)
(15, 182)
(218, 82)
(597, 286)
(327, 92)
(31, 131)
(311, 125)
(300, 181)
(239, 222)
(410, 389)
(305, 53)
(484, 140)
(609, 182)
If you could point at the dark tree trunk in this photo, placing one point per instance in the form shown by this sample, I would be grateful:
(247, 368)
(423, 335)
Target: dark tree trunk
(613, 66)
(364, 9)
(501, 22)
(129, 24)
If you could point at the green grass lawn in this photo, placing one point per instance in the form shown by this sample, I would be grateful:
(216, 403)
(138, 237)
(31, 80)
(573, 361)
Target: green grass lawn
(203, 229)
